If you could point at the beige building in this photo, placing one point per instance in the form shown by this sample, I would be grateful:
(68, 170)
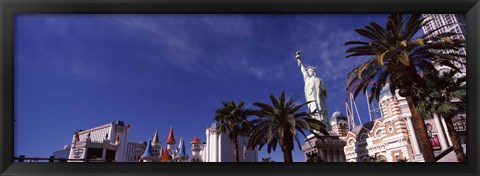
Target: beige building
(392, 137)
(329, 148)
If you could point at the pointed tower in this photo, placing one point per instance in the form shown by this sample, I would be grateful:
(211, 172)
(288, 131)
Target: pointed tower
(165, 156)
(156, 145)
(196, 150)
(182, 152)
(170, 140)
(148, 155)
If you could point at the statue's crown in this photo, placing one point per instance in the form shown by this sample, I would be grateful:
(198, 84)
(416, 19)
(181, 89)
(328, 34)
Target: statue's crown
(311, 67)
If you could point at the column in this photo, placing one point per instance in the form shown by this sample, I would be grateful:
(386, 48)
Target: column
(441, 134)
(446, 131)
(413, 137)
(104, 153)
(323, 155)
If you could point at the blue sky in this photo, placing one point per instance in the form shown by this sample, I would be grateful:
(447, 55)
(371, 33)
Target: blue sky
(156, 71)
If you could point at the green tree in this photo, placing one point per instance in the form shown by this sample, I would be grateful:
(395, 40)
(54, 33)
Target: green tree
(397, 57)
(278, 123)
(231, 119)
(445, 96)
(313, 158)
(376, 158)
(267, 159)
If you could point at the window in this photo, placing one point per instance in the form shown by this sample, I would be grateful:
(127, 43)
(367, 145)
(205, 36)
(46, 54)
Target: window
(390, 129)
(93, 153)
(363, 137)
(389, 110)
(351, 142)
(110, 155)
(378, 133)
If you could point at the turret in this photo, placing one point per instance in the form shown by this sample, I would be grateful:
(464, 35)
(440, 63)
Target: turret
(182, 152)
(170, 140)
(155, 141)
(339, 123)
(165, 156)
(156, 145)
(196, 150)
(148, 155)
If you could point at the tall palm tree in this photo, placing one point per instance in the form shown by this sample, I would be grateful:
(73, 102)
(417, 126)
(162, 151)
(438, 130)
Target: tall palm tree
(397, 57)
(278, 123)
(231, 119)
(445, 96)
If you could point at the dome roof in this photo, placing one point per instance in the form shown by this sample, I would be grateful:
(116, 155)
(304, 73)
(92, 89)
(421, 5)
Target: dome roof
(196, 141)
(337, 116)
(385, 92)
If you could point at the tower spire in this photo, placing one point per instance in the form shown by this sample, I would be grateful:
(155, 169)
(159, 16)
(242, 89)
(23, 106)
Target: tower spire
(182, 152)
(155, 137)
(148, 155)
(171, 138)
(165, 156)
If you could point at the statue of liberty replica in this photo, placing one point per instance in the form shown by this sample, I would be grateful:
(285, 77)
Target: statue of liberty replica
(315, 92)
(319, 147)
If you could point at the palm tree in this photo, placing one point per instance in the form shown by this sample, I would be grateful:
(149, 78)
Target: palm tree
(267, 159)
(313, 158)
(398, 58)
(230, 119)
(278, 124)
(445, 96)
(376, 158)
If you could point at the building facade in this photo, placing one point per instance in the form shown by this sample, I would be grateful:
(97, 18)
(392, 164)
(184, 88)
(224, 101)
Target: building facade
(104, 143)
(109, 143)
(328, 148)
(441, 23)
(219, 148)
(392, 137)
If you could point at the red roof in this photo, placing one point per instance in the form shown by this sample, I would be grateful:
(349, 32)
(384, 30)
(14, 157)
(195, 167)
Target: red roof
(165, 157)
(196, 141)
(171, 138)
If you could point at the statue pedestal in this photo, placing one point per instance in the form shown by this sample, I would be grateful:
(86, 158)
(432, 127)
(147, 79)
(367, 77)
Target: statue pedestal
(327, 148)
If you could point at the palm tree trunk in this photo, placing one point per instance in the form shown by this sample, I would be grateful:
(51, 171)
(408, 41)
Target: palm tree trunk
(235, 150)
(287, 155)
(421, 132)
(286, 143)
(457, 147)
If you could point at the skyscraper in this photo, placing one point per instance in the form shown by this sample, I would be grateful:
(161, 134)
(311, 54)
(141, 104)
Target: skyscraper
(448, 23)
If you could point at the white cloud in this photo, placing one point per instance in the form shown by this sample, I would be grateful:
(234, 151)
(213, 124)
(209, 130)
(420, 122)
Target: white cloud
(170, 46)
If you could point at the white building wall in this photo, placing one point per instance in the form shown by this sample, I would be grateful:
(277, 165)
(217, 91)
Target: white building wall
(219, 148)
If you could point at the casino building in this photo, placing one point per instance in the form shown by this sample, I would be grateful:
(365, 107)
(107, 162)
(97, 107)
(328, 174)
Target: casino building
(391, 138)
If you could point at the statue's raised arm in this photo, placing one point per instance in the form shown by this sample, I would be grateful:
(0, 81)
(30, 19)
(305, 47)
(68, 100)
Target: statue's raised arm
(302, 67)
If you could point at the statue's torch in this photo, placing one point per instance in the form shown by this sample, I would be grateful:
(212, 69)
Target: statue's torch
(298, 55)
